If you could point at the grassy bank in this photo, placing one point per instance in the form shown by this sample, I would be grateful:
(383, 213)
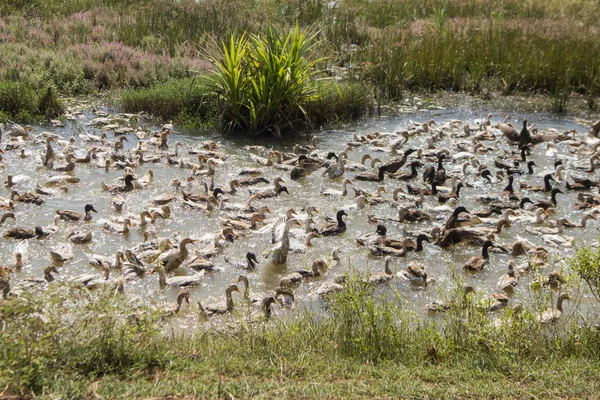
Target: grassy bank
(77, 343)
(80, 47)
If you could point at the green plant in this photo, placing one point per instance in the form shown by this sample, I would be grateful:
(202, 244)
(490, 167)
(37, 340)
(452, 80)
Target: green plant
(586, 262)
(263, 81)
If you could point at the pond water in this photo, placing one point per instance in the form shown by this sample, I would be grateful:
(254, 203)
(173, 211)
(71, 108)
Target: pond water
(442, 263)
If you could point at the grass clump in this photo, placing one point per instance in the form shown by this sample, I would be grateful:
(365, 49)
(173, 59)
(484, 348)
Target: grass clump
(339, 102)
(19, 101)
(187, 101)
(263, 81)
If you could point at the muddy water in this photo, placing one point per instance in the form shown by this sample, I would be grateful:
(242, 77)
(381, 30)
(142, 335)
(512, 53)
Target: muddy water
(442, 264)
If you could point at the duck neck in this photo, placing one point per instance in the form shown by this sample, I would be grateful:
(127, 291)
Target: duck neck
(419, 244)
(484, 251)
(162, 278)
(509, 187)
(183, 252)
(584, 220)
(547, 185)
(340, 221)
(119, 262)
(246, 289)
(413, 171)
(387, 268)
(559, 304)
(458, 187)
(228, 300)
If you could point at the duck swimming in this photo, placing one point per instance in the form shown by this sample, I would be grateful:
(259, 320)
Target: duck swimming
(74, 216)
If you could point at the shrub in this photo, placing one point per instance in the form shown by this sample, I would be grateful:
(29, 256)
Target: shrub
(586, 263)
(263, 81)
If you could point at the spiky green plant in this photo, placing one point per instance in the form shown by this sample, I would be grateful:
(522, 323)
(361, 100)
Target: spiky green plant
(264, 80)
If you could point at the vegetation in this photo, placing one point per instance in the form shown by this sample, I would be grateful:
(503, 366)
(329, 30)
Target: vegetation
(79, 47)
(76, 343)
(264, 81)
(20, 101)
(586, 263)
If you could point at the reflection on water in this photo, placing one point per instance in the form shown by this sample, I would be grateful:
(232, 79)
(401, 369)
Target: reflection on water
(441, 263)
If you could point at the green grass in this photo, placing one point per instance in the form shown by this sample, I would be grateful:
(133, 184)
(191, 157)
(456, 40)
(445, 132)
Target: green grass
(76, 343)
(19, 101)
(79, 47)
(187, 101)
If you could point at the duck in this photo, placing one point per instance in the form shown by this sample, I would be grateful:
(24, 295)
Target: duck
(49, 156)
(250, 264)
(547, 187)
(128, 185)
(330, 288)
(395, 164)
(214, 310)
(285, 296)
(115, 227)
(80, 238)
(372, 177)
(74, 216)
(61, 180)
(61, 253)
(557, 229)
(338, 193)
(382, 277)
(455, 194)
(280, 235)
(476, 263)
(318, 266)
(23, 233)
(242, 225)
(452, 220)
(6, 216)
(500, 302)
(266, 305)
(509, 281)
(70, 164)
(568, 224)
(49, 272)
(246, 292)
(98, 261)
(414, 273)
(27, 197)
(407, 175)
(177, 281)
(372, 239)
(553, 314)
(173, 309)
(336, 169)
(172, 259)
(334, 228)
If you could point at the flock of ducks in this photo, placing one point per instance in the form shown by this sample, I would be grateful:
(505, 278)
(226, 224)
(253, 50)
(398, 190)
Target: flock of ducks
(422, 171)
